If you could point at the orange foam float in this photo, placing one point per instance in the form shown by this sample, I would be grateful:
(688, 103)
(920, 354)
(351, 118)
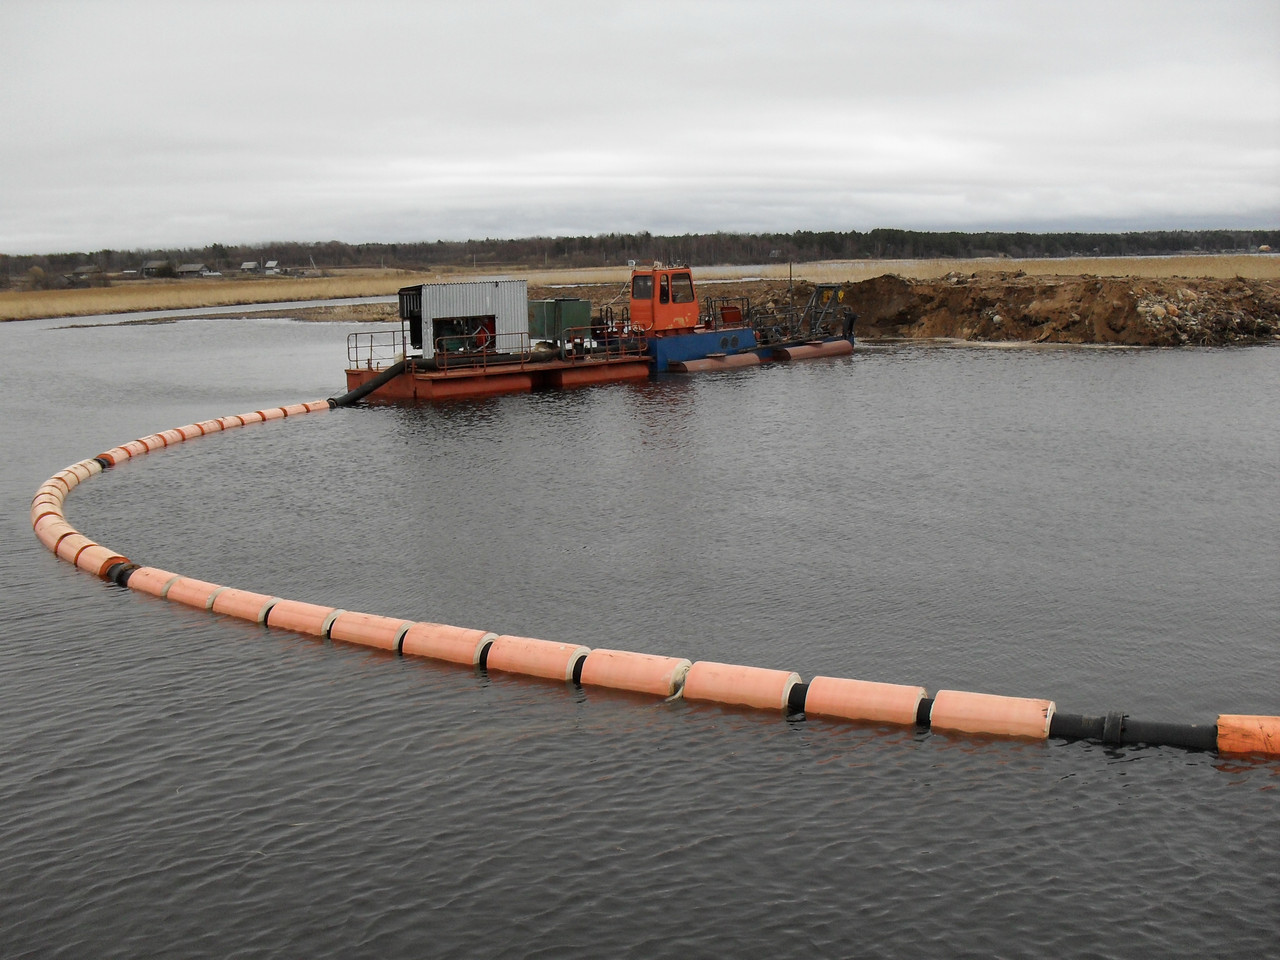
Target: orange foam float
(57, 485)
(97, 559)
(46, 499)
(45, 508)
(190, 592)
(242, 604)
(115, 455)
(50, 529)
(312, 618)
(987, 713)
(369, 630)
(637, 672)
(50, 489)
(440, 641)
(535, 658)
(863, 700)
(70, 545)
(153, 581)
(739, 685)
(79, 472)
(1240, 733)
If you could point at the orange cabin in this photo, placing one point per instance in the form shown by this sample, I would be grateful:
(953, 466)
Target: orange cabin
(663, 301)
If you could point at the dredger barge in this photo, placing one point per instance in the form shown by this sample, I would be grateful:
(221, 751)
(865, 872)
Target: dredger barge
(482, 338)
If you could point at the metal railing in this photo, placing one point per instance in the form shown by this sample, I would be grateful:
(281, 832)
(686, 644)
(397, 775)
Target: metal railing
(499, 348)
(603, 341)
(374, 349)
(721, 312)
(619, 339)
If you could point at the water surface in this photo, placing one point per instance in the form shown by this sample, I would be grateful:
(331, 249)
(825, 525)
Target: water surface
(1096, 527)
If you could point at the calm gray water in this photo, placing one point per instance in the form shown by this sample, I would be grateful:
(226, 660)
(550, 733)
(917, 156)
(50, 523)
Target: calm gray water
(1097, 527)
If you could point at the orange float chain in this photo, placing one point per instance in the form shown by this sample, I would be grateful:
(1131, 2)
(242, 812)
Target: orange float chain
(669, 677)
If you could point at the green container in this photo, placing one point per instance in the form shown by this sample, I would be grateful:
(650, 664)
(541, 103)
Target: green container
(550, 319)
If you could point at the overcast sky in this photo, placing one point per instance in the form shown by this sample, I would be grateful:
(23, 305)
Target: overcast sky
(131, 124)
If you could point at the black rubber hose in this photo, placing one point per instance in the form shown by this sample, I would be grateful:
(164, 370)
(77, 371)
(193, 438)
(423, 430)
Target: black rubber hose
(796, 697)
(1072, 726)
(1117, 728)
(119, 573)
(362, 391)
(1186, 735)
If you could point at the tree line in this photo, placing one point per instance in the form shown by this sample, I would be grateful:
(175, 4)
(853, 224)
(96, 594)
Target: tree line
(612, 249)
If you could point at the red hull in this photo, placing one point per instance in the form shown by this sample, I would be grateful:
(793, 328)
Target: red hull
(492, 381)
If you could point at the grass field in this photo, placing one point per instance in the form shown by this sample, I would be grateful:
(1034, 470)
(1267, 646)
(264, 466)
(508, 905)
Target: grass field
(134, 296)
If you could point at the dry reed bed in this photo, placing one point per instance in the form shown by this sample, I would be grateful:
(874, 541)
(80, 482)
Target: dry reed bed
(177, 294)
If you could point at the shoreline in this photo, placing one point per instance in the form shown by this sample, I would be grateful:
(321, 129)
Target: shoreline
(144, 296)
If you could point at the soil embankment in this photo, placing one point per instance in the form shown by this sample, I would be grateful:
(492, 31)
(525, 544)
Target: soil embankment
(1070, 309)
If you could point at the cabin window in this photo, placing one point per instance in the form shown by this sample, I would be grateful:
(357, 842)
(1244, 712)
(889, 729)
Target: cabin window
(681, 288)
(664, 289)
(642, 287)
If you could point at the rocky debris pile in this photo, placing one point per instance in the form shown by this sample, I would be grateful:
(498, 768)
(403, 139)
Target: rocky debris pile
(1069, 309)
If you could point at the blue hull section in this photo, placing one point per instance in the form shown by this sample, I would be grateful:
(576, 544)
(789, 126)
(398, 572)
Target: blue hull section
(695, 346)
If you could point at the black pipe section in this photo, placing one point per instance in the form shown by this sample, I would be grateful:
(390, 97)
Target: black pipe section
(1113, 727)
(106, 464)
(796, 697)
(1189, 736)
(1117, 728)
(362, 391)
(119, 573)
(924, 712)
(1072, 726)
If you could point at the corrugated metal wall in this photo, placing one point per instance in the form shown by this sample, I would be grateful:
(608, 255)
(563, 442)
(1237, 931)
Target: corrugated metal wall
(506, 300)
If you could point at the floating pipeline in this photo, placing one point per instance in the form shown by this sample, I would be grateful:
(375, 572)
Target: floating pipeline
(742, 686)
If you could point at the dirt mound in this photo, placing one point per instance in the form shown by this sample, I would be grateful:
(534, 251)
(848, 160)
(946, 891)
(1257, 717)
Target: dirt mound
(1083, 309)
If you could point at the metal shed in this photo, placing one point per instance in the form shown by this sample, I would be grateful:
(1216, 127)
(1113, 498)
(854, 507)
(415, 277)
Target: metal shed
(467, 316)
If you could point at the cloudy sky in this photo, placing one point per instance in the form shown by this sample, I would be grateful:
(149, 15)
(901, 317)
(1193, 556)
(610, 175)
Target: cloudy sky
(134, 124)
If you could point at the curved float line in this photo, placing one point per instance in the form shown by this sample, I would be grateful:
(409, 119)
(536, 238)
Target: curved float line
(667, 677)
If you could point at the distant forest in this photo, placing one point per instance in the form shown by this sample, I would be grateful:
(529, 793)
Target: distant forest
(613, 249)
